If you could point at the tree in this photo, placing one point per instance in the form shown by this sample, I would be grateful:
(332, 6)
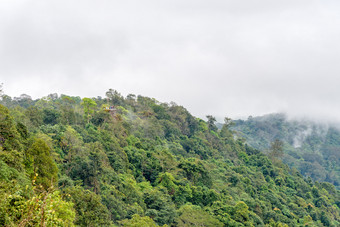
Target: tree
(24, 100)
(89, 209)
(167, 180)
(225, 131)
(115, 97)
(240, 212)
(228, 122)
(211, 123)
(276, 149)
(191, 215)
(89, 107)
(51, 116)
(41, 165)
(98, 160)
(9, 136)
(67, 110)
(159, 207)
(35, 116)
(138, 221)
(43, 208)
(46, 209)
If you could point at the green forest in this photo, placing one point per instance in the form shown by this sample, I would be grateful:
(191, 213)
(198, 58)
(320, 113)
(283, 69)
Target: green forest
(311, 147)
(134, 161)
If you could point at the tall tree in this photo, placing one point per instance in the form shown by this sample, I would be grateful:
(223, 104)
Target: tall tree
(276, 149)
(115, 97)
(89, 107)
(9, 136)
(211, 123)
(42, 167)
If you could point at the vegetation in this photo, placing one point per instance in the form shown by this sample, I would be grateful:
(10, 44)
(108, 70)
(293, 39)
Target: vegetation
(313, 149)
(68, 161)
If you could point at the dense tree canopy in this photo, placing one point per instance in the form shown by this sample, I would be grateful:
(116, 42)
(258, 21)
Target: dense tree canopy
(66, 161)
(312, 148)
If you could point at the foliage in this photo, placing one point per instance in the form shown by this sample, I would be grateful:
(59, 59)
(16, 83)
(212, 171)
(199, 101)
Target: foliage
(40, 163)
(194, 216)
(138, 221)
(149, 164)
(90, 210)
(312, 148)
(24, 206)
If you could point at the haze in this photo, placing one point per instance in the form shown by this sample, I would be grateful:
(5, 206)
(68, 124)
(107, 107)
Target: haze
(224, 58)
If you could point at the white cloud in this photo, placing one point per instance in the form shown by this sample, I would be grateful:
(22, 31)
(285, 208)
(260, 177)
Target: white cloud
(234, 58)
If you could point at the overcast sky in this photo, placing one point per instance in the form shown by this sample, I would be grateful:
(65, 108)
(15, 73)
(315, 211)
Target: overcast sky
(222, 57)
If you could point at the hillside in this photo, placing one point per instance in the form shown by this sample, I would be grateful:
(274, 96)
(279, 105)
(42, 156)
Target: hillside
(313, 148)
(133, 161)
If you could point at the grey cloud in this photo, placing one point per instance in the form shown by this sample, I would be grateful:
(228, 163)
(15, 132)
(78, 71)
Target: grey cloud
(234, 58)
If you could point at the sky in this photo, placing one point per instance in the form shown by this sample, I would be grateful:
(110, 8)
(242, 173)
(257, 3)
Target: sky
(231, 58)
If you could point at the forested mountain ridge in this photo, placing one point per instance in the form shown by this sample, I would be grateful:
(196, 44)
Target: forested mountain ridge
(313, 148)
(133, 161)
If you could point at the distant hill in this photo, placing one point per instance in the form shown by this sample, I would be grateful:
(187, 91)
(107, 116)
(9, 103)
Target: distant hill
(312, 148)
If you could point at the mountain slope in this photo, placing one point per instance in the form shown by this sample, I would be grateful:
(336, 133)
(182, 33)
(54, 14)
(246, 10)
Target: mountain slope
(312, 148)
(133, 161)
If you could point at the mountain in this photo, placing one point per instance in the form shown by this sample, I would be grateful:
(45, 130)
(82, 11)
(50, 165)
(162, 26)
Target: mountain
(312, 148)
(133, 161)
